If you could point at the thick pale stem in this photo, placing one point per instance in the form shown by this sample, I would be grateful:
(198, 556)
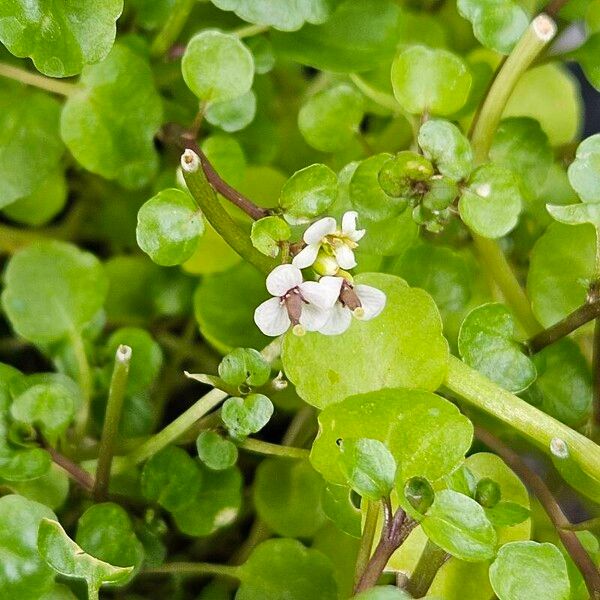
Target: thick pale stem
(534, 424)
(260, 447)
(170, 31)
(217, 216)
(44, 83)
(367, 538)
(431, 560)
(112, 417)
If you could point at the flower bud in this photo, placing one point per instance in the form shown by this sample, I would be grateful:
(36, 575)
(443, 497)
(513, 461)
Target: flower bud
(326, 264)
(419, 493)
(487, 492)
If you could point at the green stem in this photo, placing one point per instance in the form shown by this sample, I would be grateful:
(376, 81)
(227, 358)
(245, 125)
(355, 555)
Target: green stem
(539, 427)
(197, 569)
(112, 417)
(170, 31)
(431, 560)
(85, 382)
(386, 100)
(260, 447)
(538, 35)
(217, 216)
(367, 538)
(45, 83)
(250, 30)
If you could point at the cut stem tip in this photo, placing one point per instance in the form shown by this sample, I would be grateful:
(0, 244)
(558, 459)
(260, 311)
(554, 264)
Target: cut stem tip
(190, 161)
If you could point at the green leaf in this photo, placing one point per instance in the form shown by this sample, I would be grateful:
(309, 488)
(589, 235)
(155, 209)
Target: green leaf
(273, 564)
(268, 232)
(50, 489)
(491, 203)
(59, 37)
(497, 24)
(359, 35)
(217, 66)
(216, 504)
(584, 171)
(109, 123)
(399, 174)
(227, 157)
(244, 366)
(561, 269)
(368, 466)
(23, 572)
(106, 532)
(309, 192)
(244, 416)
(279, 16)
(432, 81)
(287, 496)
(525, 570)
(406, 338)
(384, 592)
(171, 478)
(521, 146)
(168, 227)
(587, 56)
(262, 51)
(232, 115)
(576, 214)
(507, 514)
(330, 120)
(444, 144)
(69, 560)
(30, 144)
(45, 407)
(457, 524)
(216, 452)
(487, 343)
(52, 289)
(337, 505)
(426, 434)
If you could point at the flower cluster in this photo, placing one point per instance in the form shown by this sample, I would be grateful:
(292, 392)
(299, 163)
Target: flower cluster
(328, 304)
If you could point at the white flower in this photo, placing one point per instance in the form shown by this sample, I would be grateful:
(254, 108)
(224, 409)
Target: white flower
(304, 305)
(361, 301)
(326, 242)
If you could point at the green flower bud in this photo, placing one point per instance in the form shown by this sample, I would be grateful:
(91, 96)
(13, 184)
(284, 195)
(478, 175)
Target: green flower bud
(488, 492)
(326, 264)
(419, 493)
(399, 174)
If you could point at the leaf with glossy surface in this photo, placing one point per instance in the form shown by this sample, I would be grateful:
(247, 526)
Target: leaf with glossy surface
(491, 202)
(60, 37)
(525, 570)
(244, 416)
(273, 564)
(110, 121)
(427, 435)
(244, 366)
(406, 338)
(584, 171)
(487, 343)
(217, 66)
(457, 524)
(430, 81)
(232, 115)
(268, 233)
(51, 289)
(216, 452)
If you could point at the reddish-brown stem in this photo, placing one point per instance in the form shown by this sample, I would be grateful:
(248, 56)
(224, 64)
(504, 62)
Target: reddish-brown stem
(535, 483)
(554, 7)
(73, 470)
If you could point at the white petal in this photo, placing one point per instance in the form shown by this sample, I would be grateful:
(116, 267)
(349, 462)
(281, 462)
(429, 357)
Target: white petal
(345, 257)
(349, 222)
(313, 317)
(322, 293)
(282, 279)
(339, 320)
(319, 229)
(357, 235)
(371, 299)
(271, 317)
(307, 256)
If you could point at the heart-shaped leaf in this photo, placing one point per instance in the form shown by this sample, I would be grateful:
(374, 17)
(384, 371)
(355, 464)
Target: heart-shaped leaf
(244, 416)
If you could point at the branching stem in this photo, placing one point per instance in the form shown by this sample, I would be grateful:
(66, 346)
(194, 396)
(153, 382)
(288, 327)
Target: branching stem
(56, 86)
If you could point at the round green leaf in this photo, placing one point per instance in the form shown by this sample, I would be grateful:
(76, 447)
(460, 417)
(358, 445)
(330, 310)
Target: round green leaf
(497, 24)
(51, 289)
(491, 203)
(445, 145)
(60, 37)
(458, 525)
(267, 233)
(226, 156)
(587, 53)
(584, 171)
(244, 366)
(426, 434)
(30, 144)
(337, 504)
(168, 227)
(50, 489)
(432, 81)
(487, 343)
(109, 123)
(24, 574)
(330, 119)
(525, 570)
(216, 452)
(275, 563)
(309, 192)
(576, 214)
(232, 115)
(406, 338)
(287, 496)
(217, 66)
(244, 416)
(262, 51)
(171, 478)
